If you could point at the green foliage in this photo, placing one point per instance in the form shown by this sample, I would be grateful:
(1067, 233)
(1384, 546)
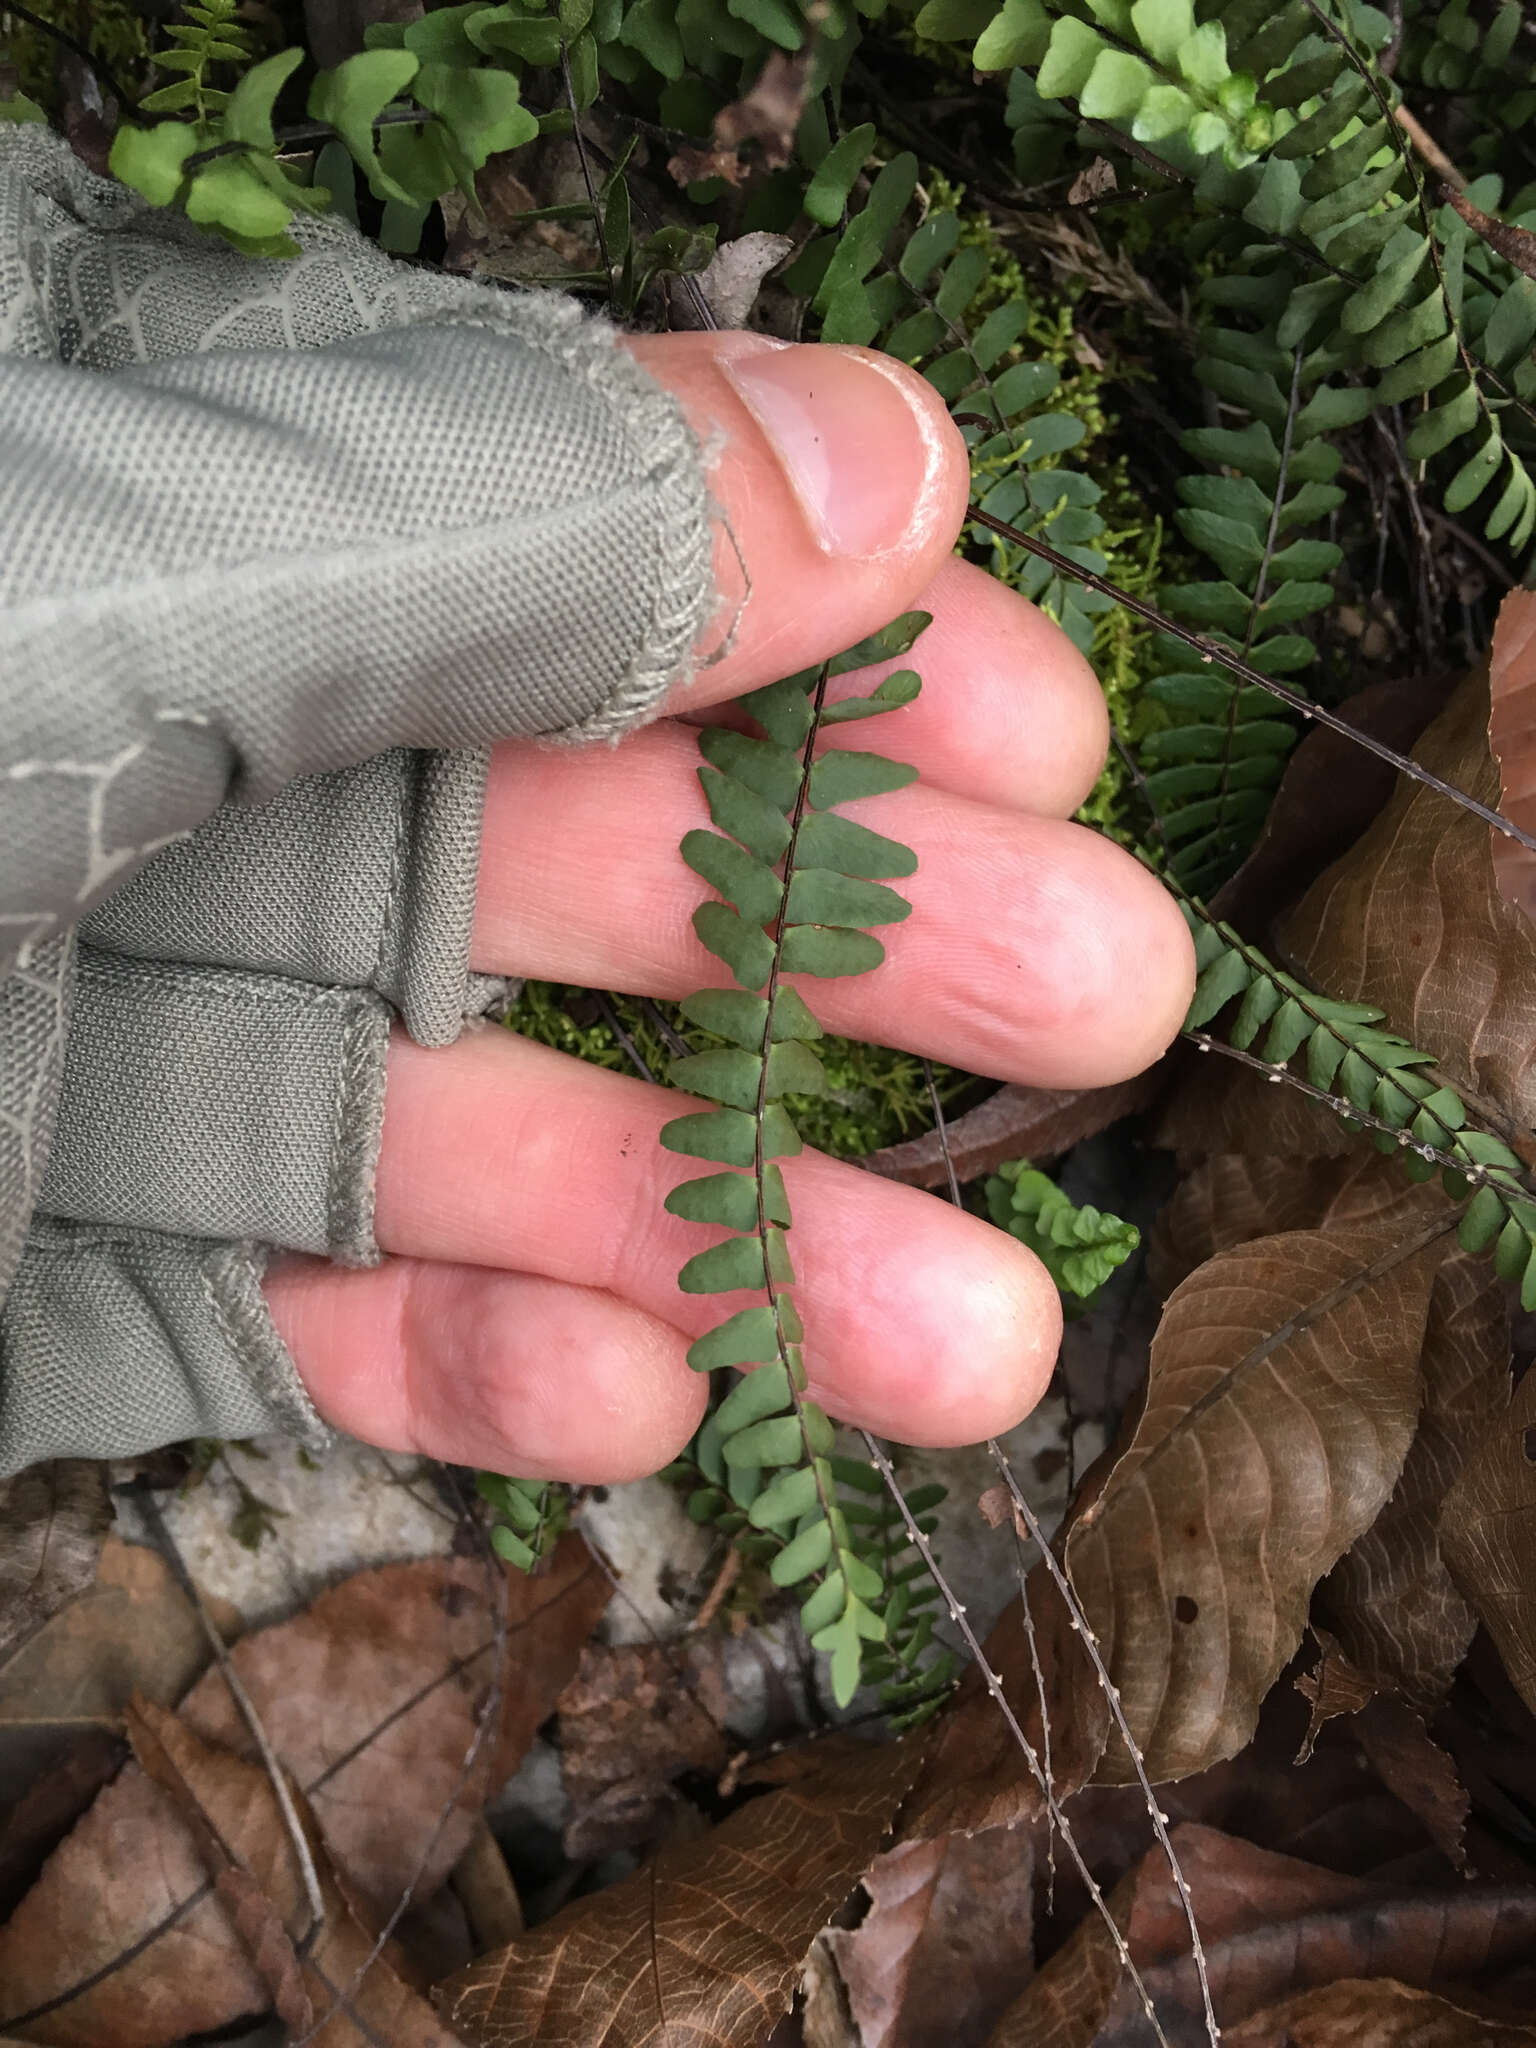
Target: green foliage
(1378, 1081)
(793, 899)
(1079, 1247)
(532, 1516)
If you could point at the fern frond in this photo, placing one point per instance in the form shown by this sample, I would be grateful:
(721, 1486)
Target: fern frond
(798, 884)
(1393, 1086)
(1079, 1247)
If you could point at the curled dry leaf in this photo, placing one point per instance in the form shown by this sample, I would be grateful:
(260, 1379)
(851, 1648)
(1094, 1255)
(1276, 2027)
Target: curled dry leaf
(1233, 1887)
(52, 1522)
(1376, 2012)
(231, 1811)
(370, 1699)
(945, 1945)
(632, 1719)
(1412, 919)
(1391, 1601)
(702, 1945)
(1488, 1534)
(1512, 736)
(1232, 1198)
(1412, 1764)
(1013, 1123)
(1271, 1926)
(1282, 1398)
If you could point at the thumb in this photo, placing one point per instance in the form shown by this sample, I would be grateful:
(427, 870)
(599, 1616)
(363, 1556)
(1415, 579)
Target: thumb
(842, 483)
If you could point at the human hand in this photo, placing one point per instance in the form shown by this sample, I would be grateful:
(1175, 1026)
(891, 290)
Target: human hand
(529, 1318)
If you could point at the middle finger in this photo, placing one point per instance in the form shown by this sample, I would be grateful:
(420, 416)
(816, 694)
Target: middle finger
(1036, 950)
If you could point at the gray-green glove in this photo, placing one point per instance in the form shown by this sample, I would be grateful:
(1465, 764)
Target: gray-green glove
(321, 513)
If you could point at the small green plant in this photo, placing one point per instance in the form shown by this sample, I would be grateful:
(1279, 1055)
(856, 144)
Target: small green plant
(531, 1515)
(1079, 1247)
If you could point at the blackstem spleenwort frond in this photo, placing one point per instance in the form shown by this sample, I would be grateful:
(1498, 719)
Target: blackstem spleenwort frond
(1376, 1079)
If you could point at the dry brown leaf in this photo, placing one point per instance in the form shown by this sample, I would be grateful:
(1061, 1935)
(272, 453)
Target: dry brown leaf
(133, 1631)
(1427, 1940)
(1488, 1534)
(631, 1720)
(1512, 736)
(1013, 1123)
(231, 1811)
(1233, 1197)
(1375, 2012)
(946, 1942)
(75, 1952)
(1412, 919)
(52, 1521)
(1271, 1926)
(1329, 793)
(703, 1945)
(1281, 1402)
(1390, 1601)
(1410, 1763)
(1233, 1886)
(370, 1699)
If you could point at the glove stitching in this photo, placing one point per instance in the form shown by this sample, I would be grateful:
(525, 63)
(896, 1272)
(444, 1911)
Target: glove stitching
(588, 352)
(388, 948)
(357, 1128)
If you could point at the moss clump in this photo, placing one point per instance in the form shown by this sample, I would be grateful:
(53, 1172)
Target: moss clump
(874, 1096)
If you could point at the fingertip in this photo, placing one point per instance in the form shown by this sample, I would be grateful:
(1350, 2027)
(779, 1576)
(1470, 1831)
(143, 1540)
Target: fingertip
(842, 482)
(480, 1367)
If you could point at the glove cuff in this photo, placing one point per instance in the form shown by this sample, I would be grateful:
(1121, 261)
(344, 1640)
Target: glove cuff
(115, 1342)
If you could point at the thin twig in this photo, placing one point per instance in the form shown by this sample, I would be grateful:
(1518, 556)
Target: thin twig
(615, 1024)
(98, 65)
(489, 1715)
(149, 1507)
(1213, 651)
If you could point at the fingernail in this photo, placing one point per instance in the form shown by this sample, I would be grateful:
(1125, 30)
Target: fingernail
(857, 441)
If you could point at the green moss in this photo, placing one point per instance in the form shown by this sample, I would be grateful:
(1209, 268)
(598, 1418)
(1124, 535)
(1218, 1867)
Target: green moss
(1132, 542)
(874, 1097)
(116, 34)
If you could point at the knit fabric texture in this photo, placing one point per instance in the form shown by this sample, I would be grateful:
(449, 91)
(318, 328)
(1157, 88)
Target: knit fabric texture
(284, 545)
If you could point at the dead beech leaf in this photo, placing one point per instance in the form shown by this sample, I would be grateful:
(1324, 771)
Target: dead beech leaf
(1014, 1123)
(1412, 919)
(52, 1521)
(1282, 1396)
(732, 278)
(372, 1696)
(1234, 1887)
(631, 1720)
(1512, 736)
(946, 1943)
(1390, 1601)
(1231, 1198)
(1488, 1534)
(702, 1945)
(370, 1699)
(1375, 2012)
(1422, 1939)
(1271, 1926)
(231, 1811)
(1412, 1764)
